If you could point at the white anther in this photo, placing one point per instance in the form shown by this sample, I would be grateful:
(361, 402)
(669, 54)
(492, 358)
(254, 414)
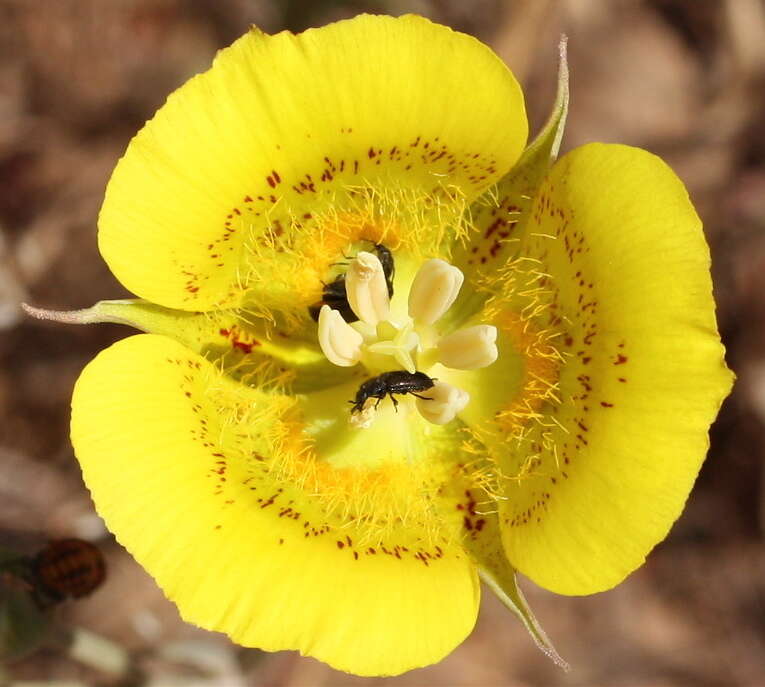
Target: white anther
(338, 340)
(434, 289)
(470, 348)
(366, 288)
(444, 404)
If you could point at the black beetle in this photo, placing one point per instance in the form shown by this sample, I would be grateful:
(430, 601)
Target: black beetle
(334, 294)
(389, 383)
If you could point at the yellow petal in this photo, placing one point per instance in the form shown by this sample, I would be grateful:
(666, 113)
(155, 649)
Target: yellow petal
(188, 470)
(623, 278)
(280, 135)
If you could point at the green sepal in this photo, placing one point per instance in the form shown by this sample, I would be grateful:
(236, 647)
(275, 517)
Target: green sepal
(543, 150)
(502, 213)
(195, 330)
(502, 580)
(242, 346)
(484, 545)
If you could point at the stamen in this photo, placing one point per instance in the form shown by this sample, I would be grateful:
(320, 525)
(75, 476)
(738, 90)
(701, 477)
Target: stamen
(340, 342)
(434, 289)
(443, 404)
(366, 288)
(470, 348)
(387, 348)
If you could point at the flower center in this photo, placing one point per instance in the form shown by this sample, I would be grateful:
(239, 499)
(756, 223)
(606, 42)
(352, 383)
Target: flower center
(400, 351)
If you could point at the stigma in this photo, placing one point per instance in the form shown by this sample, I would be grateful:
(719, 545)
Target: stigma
(410, 344)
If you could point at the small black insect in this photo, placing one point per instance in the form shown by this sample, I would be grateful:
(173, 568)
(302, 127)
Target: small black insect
(334, 294)
(389, 383)
(389, 268)
(335, 297)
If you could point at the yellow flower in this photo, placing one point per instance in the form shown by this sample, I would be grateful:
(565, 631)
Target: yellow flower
(554, 324)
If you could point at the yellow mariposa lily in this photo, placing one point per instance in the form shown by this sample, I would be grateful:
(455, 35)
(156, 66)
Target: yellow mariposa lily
(540, 383)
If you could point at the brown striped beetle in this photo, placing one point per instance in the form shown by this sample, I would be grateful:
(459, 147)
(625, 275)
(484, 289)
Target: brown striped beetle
(67, 568)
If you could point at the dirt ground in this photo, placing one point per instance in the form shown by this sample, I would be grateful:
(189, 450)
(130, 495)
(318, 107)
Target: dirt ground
(683, 78)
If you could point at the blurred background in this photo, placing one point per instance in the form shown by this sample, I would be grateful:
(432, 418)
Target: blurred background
(683, 78)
